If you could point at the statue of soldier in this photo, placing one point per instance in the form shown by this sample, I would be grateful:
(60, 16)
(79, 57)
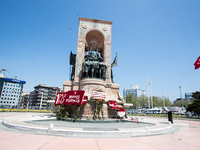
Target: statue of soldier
(113, 65)
(72, 62)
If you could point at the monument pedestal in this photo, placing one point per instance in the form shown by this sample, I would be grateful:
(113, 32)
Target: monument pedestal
(53, 108)
(90, 84)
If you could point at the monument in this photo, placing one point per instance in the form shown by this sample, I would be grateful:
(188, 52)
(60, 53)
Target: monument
(91, 69)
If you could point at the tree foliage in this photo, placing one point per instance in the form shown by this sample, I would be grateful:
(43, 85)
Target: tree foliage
(195, 106)
(142, 101)
(185, 103)
(196, 95)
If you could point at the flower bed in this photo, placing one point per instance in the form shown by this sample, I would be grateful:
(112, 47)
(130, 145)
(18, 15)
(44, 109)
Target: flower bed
(25, 110)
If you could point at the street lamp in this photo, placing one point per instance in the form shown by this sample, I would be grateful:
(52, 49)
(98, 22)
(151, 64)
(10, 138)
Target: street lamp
(181, 96)
(41, 98)
(163, 99)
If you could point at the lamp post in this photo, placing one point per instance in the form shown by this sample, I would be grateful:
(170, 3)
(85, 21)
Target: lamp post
(148, 94)
(181, 96)
(163, 99)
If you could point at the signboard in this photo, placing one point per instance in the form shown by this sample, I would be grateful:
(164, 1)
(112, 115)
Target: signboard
(170, 109)
(113, 105)
(84, 100)
(60, 98)
(15, 80)
(74, 97)
(98, 95)
(70, 98)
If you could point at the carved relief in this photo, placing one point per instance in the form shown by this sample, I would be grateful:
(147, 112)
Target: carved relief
(78, 65)
(105, 28)
(85, 26)
(108, 61)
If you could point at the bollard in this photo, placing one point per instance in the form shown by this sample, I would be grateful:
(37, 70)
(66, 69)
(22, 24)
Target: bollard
(147, 129)
(50, 128)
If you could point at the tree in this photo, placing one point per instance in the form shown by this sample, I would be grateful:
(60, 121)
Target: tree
(168, 103)
(185, 103)
(195, 106)
(133, 100)
(143, 101)
(196, 95)
(157, 102)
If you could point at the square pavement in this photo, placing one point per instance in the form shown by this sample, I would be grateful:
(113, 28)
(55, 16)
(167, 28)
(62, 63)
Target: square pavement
(187, 138)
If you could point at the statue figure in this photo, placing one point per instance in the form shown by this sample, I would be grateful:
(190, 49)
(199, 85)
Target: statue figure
(86, 67)
(102, 66)
(93, 65)
(90, 55)
(72, 62)
(99, 58)
(94, 68)
(113, 65)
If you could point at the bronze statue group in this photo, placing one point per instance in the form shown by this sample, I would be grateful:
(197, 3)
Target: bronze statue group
(93, 65)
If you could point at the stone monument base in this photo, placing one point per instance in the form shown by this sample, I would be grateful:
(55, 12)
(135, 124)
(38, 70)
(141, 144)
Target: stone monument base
(88, 85)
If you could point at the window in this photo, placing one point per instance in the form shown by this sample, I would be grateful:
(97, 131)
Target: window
(10, 98)
(8, 84)
(4, 88)
(2, 98)
(2, 95)
(11, 95)
(4, 102)
(5, 98)
(13, 85)
(0, 101)
(13, 102)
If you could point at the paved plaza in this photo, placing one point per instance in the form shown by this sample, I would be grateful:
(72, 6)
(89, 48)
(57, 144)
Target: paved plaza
(186, 137)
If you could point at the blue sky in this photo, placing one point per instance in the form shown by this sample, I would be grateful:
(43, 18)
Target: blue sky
(157, 39)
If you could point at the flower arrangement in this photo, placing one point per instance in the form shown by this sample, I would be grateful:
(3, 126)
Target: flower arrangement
(98, 97)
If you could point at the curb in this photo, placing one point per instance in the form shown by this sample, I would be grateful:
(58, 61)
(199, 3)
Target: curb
(90, 134)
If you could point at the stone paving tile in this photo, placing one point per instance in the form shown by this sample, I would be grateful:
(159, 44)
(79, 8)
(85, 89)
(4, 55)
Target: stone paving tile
(185, 139)
(61, 143)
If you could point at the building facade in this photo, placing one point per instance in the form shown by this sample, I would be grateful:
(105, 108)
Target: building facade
(25, 99)
(11, 90)
(41, 94)
(133, 89)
